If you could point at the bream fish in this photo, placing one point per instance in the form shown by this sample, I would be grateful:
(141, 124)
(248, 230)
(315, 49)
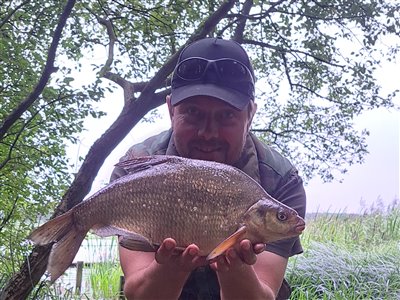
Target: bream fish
(192, 201)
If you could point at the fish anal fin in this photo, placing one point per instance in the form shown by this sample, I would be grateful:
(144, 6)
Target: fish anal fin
(228, 243)
(104, 230)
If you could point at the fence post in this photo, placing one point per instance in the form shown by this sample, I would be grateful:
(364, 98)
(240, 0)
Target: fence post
(78, 283)
(121, 287)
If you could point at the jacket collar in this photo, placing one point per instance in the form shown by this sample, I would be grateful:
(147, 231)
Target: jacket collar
(248, 161)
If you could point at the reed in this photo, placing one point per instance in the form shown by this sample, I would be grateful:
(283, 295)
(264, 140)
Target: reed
(104, 274)
(349, 256)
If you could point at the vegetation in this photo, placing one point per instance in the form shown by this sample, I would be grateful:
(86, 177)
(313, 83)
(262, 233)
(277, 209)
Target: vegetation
(311, 88)
(104, 276)
(349, 257)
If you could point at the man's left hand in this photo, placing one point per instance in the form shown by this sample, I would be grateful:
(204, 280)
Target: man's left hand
(235, 258)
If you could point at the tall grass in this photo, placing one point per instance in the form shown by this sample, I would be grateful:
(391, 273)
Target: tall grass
(105, 280)
(349, 257)
(105, 271)
(101, 273)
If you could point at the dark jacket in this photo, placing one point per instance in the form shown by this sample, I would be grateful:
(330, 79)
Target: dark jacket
(265, 165)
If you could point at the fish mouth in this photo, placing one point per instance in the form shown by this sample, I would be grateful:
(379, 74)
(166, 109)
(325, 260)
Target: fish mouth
(300, 226)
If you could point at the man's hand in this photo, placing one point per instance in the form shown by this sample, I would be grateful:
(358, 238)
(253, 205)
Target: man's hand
(235, 258)
(186, 260)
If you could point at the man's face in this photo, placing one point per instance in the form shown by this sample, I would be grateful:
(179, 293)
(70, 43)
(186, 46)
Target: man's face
(209, 129)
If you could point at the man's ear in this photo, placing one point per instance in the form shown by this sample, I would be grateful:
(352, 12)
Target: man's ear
(170, 106)
(252, 111)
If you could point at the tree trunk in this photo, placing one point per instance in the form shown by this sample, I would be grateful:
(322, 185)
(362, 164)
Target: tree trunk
(22, 283)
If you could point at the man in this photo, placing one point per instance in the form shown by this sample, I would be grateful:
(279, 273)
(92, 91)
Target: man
(211, 108)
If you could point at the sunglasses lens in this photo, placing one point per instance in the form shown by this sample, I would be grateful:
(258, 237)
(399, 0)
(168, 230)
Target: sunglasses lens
(229, 71)
(192, 69)
(233, 70)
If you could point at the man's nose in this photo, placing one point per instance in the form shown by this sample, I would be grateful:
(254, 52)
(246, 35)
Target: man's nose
(208, 129)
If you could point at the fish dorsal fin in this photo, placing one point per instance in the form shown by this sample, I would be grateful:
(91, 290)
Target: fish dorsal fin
(138, 164)
(228, 243)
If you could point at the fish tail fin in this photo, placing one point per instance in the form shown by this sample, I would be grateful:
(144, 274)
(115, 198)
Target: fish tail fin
(53, 230)
(63, 253)
(67, 238)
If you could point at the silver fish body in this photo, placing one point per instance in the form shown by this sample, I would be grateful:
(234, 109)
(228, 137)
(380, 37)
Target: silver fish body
(192, 201)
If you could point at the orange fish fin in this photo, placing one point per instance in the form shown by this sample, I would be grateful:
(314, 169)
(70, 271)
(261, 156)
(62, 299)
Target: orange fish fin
(227, 243)
(63, 253)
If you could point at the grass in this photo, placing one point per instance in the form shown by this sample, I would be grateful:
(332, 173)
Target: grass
(105, 272)
(349, 257)
(105, 280)
(101, 277)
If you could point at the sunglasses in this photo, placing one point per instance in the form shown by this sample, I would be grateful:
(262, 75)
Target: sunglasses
(228, 70)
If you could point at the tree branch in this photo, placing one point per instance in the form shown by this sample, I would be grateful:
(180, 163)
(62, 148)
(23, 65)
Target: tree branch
(48, 70)
(8, 216)
(5, 20)
(21, 130)
(241, 24)
(290, 50)
(113, 38)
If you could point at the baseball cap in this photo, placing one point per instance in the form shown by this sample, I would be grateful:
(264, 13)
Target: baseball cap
(214, 67)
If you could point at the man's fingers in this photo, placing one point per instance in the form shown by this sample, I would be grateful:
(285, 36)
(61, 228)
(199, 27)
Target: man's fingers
(191, 257)
(180, 259)
(220, 263)
(165, 251)
(189, 254)
(259, 248)
(247, 253)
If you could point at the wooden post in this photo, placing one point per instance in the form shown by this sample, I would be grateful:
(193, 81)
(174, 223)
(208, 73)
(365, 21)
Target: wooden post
(79, 271)
(121, 287)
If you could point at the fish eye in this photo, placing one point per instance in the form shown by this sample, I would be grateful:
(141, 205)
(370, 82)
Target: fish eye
(282, 216)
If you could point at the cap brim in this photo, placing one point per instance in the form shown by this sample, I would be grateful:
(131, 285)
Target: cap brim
(230, 96)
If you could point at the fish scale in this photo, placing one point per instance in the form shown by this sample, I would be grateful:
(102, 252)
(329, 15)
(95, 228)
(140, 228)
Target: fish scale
(210, 204)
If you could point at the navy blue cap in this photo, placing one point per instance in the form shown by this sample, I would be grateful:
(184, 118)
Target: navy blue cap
(237, 95)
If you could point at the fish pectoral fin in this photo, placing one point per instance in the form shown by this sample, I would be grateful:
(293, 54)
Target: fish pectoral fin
(227, 243)
(137, 243)
(129, 240)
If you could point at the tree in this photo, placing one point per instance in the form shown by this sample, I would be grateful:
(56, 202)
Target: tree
(310, 89)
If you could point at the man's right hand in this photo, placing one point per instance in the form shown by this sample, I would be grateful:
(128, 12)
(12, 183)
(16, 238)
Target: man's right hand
(182, 260)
